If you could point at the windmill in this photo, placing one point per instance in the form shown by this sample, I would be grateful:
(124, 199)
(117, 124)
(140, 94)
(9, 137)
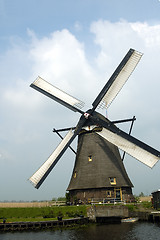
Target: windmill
(99, 171)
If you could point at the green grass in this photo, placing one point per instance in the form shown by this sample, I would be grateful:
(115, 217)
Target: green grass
(147, 204)
(41, 214)
(132, 207)
(143, 206)
(31, 214)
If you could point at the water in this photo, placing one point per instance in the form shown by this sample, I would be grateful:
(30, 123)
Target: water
(123, 231)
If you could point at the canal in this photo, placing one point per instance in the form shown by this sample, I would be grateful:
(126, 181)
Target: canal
(123, 231)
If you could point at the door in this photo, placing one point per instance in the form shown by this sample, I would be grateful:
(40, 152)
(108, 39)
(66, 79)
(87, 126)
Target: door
(118, 194)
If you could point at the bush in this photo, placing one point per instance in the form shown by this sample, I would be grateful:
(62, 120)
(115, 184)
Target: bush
(60, 214)
(48, 214)
(74, 213)
(132, 207)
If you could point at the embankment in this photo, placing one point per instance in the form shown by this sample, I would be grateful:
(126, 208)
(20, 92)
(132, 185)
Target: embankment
(23, 218)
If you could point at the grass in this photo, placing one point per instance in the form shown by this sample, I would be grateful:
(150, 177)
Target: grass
(32, 214)
(147, 205)
(41, 214)
(143, 206)
(132, 207)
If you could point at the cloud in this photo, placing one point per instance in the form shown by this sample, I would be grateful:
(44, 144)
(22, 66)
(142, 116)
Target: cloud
(28, 117)
(149, 34)
(61, 58)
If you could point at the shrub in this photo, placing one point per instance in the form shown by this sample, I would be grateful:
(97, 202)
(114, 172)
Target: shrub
(74, 213)
(131, 207)
(48, 214)
(60, 214)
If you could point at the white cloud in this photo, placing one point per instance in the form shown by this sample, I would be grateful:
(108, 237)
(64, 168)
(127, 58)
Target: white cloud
(61, 59)
(149, 34)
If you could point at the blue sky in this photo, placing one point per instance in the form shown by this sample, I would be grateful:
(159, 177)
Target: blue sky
(75, 45)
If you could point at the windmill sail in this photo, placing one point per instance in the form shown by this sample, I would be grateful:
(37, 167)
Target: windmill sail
(39, 176)
(118, 79)
(58, 95)
(135, 148)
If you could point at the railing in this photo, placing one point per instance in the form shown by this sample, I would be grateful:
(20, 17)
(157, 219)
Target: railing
(104, 201)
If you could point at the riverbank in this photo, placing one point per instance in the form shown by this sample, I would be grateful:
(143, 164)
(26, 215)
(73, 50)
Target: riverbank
(79, 222)
(41, 225)
(32, 214)
(65, 216)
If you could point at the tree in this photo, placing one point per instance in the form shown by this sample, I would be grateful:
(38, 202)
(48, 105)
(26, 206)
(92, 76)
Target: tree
(141, 194)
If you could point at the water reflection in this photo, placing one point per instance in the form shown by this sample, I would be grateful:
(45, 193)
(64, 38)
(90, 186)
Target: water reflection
(123, 231)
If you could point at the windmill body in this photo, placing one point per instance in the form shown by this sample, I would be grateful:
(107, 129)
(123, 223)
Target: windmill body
(99, 172)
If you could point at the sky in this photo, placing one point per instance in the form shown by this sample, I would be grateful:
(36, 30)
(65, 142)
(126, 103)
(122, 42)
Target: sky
(76, 46)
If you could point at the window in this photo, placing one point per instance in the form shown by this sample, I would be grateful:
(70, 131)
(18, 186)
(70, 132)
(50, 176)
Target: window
(89, 158)
(108, 193)
(75, 174)
(112, 180)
